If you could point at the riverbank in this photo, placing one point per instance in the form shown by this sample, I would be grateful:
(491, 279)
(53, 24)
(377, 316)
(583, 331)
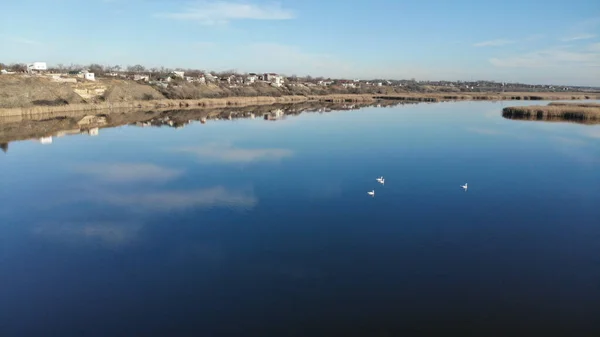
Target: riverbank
(587, 113)
(16, 128)
(107, 107)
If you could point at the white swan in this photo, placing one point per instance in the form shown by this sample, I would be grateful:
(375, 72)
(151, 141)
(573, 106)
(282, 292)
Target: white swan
(465, 186)
(381, 180)
(371, 193)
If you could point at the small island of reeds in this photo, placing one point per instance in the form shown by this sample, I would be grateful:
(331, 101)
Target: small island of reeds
(585, 113)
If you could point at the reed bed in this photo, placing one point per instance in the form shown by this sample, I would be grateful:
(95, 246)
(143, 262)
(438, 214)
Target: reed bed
(554, 111)
(584, 105)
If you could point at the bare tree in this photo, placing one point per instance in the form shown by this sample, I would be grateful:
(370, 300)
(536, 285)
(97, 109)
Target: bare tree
(96, 69)
(227, 73)
(18, 67)
(193, 72)
(138, 68)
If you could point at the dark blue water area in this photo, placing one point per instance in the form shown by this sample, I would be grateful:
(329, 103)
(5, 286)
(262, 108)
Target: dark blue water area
(261, 228)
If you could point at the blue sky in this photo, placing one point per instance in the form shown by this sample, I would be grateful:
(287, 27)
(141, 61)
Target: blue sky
(529, 41)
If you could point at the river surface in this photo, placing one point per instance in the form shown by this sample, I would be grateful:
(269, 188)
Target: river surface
(252, 227)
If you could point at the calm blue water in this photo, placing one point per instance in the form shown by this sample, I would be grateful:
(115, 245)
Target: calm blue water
(261, 228)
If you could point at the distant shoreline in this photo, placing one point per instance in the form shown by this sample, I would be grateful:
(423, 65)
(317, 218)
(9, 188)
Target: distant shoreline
(105, 107)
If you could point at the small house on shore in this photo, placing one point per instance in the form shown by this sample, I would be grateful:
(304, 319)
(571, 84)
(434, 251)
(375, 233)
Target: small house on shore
(88, 76)
(140, 77)
(37, 67)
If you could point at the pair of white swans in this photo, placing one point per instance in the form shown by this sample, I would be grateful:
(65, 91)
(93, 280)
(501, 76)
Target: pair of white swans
(382, 181)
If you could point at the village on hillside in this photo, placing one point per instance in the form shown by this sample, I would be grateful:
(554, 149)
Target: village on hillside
(165, 78)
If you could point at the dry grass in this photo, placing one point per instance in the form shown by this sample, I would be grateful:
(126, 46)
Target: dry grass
(525, 96)
(166, 104)
(583, 112)
(585, 105)
(18, 91)
(127, 91)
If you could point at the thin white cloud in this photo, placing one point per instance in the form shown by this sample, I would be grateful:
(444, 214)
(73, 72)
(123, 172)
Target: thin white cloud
(204, 44)
(535, 37)
(594, 47)
(109, 233)
(286, 59)
(128, 172)
(177, 200)
(584, 27)
(553, 57)
(221, 12)
(20, 40)
(494, 43)
(224, 153)
(578, 37)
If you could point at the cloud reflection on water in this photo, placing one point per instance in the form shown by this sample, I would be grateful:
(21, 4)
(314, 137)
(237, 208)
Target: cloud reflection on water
(226, 153)
(108, 233)
(128, 172)
(484, 131)
(217, 196)
(119, 233)
(576, 150)
(594, 133)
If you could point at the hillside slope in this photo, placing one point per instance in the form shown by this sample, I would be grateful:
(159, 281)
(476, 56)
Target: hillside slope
(19, 91)
(24, 92)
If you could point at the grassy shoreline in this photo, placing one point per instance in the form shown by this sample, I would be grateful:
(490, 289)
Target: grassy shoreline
(265, 100)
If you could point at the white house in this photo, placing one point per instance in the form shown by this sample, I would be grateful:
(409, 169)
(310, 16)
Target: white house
(251, 78)
(88, 76)
(179, 74)
(210, 77)
(37, 66)
(275, 79)
(46, 140)
(272, 77)
(138, 77)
